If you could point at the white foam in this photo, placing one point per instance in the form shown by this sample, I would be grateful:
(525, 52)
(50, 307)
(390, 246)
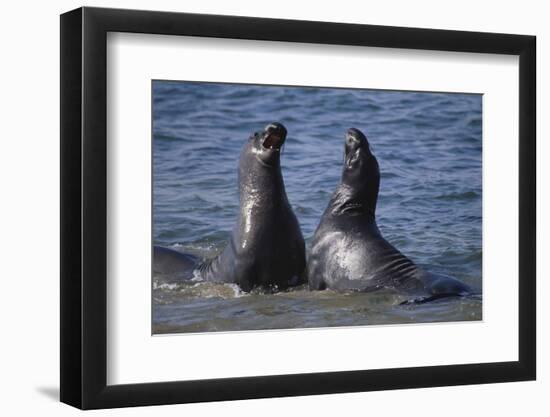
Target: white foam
(196, 276)
(164, 286)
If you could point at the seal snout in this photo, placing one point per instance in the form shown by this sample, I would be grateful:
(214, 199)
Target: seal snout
(274, 136)
(355, 140)
(356, 147)
(355, 137)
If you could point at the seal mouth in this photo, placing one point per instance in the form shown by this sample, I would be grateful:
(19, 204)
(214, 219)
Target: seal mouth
(273, 142)
(274, 136)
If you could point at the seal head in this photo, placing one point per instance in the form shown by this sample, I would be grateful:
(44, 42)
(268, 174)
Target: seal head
(266, 145)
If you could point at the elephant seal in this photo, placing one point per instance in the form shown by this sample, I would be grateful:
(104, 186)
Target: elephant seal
(266, 248)
(348, 252)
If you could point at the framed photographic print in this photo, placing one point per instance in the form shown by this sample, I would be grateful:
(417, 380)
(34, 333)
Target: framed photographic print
(256, 208)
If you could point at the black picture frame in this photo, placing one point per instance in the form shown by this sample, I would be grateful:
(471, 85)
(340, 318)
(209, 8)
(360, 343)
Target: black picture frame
(84, 207)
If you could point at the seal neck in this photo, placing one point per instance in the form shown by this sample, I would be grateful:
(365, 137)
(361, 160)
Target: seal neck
(357, 193)
(261, 186)
(346, 201)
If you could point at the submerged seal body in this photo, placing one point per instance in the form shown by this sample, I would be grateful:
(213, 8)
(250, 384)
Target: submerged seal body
(266, 248)
(348, 252)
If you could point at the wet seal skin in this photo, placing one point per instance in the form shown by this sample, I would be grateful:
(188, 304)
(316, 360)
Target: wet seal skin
(348, 252)
(266, 248)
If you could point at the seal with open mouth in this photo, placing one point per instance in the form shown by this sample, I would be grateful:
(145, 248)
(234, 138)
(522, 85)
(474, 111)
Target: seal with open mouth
(266, 248)
(348, 251)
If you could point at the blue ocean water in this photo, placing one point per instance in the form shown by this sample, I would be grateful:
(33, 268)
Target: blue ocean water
(429, 147)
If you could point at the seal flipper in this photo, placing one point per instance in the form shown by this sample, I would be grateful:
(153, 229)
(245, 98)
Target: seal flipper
(440, 286)
(172, 265)
(427, 298)
(443, 286)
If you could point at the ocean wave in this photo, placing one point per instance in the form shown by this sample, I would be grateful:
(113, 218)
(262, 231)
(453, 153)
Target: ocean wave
(465, 195)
